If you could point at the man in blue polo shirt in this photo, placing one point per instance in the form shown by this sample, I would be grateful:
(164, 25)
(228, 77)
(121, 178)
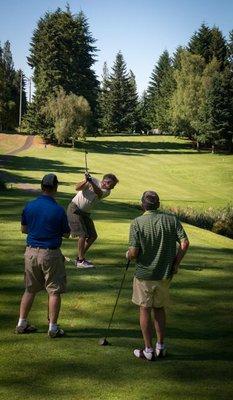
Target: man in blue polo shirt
(45, 223)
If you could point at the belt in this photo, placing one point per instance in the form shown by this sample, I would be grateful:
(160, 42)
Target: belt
(44, 248)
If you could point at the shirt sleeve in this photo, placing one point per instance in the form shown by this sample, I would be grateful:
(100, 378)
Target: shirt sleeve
(23, 217)
(105, 192)
(134, 239)
(180, 232)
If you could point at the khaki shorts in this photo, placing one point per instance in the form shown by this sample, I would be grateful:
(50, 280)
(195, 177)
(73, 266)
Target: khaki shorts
(44, 269)
(151, 293)
(81, 224)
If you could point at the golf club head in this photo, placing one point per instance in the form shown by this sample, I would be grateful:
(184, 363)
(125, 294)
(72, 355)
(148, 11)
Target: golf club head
(103, 342)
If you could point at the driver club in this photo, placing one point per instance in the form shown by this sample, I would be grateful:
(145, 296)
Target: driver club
(104, 341)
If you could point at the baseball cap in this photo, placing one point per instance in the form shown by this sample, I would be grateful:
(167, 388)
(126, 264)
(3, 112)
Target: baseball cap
(150, 198)
(49, 180)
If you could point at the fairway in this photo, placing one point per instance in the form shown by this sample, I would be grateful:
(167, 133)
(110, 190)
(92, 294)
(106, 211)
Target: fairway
(199, 333)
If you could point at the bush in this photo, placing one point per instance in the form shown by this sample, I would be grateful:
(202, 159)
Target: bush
(219, 221)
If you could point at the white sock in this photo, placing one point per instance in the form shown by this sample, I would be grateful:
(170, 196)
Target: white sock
(52, 327)
(149, 349)
(22, 322)
(159, 346)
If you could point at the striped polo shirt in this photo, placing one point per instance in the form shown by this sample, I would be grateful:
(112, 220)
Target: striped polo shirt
(156, 234)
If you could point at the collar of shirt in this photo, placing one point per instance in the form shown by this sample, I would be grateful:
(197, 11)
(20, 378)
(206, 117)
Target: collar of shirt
(150, 212)
(45, 197)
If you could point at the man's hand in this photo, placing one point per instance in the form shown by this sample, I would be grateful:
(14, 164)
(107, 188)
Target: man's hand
(88, 177)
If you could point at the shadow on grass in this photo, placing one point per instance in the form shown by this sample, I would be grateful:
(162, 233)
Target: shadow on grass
(136, 148)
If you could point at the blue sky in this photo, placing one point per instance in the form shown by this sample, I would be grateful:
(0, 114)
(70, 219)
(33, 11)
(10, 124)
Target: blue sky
(141, 29)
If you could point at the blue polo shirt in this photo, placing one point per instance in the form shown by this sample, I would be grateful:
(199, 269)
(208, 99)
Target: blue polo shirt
(46, 222)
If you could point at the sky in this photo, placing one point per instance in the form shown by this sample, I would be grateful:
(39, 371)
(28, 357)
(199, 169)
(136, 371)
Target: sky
(141, 29)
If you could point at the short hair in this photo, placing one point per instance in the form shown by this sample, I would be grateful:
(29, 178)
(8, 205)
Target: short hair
(112, 177)
(150, 200)
(49, 182)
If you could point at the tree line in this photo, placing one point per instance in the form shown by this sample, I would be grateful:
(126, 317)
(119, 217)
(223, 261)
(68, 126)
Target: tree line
(189, 92)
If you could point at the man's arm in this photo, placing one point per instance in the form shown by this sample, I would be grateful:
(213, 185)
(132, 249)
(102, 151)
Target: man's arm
(184, 245)
(81, 185)
(24, 229)
(88, 181)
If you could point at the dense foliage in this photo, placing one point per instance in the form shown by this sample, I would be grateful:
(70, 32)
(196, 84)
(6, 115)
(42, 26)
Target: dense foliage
(10, 90)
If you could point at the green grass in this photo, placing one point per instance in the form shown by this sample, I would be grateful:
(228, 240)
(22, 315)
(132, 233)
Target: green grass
(199, 334)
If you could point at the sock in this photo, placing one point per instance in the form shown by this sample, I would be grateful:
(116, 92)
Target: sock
(22, 322)
(52, 327)
(159, 346)
(149, 349)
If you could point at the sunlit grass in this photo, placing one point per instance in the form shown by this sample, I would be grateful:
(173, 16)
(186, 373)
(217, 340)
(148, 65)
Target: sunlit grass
(199, 334)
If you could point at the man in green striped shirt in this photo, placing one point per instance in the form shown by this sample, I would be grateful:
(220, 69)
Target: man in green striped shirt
(158, 242)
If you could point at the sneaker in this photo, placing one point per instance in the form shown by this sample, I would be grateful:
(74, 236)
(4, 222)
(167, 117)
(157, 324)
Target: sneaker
(160, 353)
(57, 334)
(84, 264)
(26, 329)
(146, 355)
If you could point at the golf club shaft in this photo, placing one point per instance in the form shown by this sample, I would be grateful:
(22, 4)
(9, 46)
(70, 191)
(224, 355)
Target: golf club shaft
(123, 279)
(86, 161)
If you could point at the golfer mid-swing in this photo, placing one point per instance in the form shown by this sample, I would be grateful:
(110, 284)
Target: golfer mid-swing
(90, 191)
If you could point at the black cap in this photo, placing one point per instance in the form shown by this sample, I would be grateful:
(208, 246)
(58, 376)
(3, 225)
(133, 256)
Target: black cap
(49, 180)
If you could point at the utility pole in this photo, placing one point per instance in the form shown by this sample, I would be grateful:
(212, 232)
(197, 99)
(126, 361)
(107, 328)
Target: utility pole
(20, 99)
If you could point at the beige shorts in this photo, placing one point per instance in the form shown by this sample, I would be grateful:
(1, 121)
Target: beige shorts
(44, 269)
(151, 293)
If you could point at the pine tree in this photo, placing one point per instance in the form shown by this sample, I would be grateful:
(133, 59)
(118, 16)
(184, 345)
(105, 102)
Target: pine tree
(62, 54)
(209, 43)
(121, 97)
(104, 101)
(219, 110)
(159, 91)
(9, 90)
(200, 43)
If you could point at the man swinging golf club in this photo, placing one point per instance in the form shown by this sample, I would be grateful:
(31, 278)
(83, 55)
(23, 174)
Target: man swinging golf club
(158, 242)
(90, 191)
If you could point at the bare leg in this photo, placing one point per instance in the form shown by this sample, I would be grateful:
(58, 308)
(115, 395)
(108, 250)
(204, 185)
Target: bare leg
(26, 304)
(160, 323)
(81, 247)
(89, 242)
(54, 307)
(146, 325)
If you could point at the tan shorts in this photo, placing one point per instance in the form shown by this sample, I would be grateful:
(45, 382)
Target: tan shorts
(81, 224)
(151, 293)
(44, 269)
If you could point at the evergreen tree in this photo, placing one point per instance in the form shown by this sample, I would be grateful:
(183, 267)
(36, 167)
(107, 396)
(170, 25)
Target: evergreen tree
(159, 91)
(209, 43)
(9, 90)
(219, 110)
(122, 98)
(200, 43)
(230, 48)
(62, 54)
(104, 101)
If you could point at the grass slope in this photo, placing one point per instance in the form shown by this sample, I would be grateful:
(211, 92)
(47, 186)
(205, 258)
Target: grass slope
(199, 334)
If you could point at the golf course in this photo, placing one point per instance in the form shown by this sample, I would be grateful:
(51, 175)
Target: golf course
(199, 327)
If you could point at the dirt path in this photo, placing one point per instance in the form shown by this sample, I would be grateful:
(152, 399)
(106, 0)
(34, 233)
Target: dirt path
(28, 143)
(4, 176)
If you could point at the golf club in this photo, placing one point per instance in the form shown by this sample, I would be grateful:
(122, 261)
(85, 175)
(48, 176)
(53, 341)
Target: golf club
(104, 341)
(86, 168)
